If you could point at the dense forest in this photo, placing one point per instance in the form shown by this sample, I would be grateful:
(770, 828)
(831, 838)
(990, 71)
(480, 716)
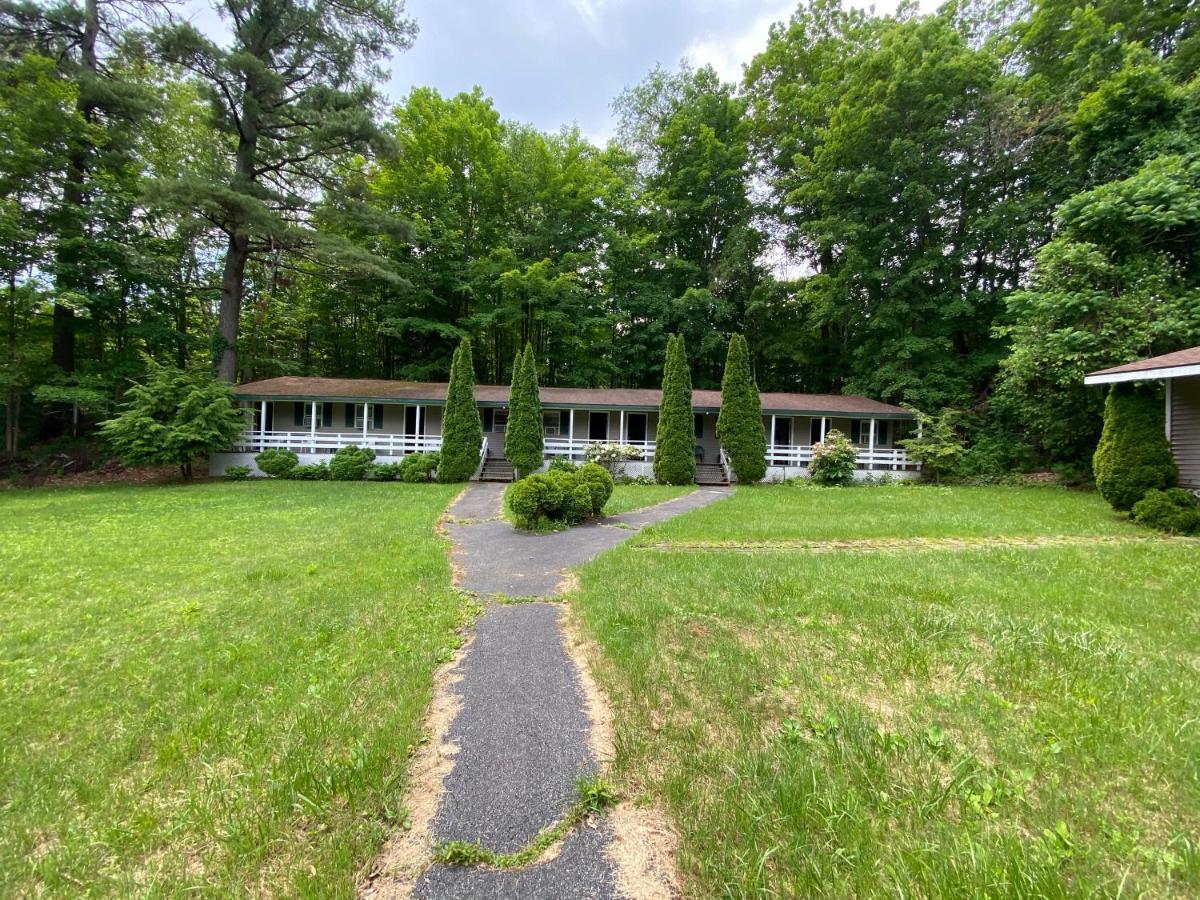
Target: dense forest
(962, 211)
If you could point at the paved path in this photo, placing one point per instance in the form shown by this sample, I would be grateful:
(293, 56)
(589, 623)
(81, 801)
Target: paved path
(495, 558)
(522, 729)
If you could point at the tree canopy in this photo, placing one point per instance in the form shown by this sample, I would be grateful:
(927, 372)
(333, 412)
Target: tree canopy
(963, 210)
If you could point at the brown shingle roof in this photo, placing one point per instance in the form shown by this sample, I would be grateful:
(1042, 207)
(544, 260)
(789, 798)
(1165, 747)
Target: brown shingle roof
(1189, 357)
(291, 387)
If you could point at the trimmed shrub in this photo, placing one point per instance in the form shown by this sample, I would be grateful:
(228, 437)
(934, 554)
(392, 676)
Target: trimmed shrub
(419, 467)
(237, 473)
(1134, 456)
(523, 443)
(1174, 511)
(315, 472)
(833, 460)
(559, 496)
(351, 463)
(462, 432)
(277, 463)
(535, 499)
(578, 504)
(599, 484)
(740, 423)
(385, 471)
(675, 447)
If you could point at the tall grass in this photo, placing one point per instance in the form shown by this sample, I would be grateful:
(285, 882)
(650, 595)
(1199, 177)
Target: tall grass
(992, 722)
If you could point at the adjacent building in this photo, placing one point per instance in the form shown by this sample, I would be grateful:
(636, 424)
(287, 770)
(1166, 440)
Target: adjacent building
(1180, 372)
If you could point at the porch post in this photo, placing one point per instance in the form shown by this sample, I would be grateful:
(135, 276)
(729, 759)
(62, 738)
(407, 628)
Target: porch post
(262, 426)
(824, 425)
(621, 428)
(312, 429)
(571, 434)
(771, 443)
(366, 411)
(418, 444)
(871, 447)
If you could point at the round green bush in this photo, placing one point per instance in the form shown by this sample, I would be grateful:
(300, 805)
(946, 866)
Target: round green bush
(599, 483)
(351, 463)
(419, 467)
(1174, 511)
(385, 471)
(315, 472)
(237, 473)
(1133, 456)
(534, 499)
(833, 460)
(277, 463)
(578, 503)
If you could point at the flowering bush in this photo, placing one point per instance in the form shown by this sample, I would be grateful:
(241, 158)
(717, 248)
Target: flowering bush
(833, 460)
(611, 456)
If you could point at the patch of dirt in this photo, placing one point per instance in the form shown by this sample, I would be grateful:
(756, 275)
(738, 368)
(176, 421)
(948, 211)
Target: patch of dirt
(643, 846)
(900, 545)
(111, 472)
(409, 852)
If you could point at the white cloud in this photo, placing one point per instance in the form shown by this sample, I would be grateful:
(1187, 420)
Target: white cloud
(728, 52)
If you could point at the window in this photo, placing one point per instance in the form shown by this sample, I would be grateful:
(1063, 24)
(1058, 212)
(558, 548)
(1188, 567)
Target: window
(495, 420)
(411, 416)
(698, 419)
(302, 415)
(556, 422)
(860, 432)
(814, 431)
(354, 416)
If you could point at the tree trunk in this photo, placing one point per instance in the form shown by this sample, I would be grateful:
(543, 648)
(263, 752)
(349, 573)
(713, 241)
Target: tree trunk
(233, 279)
(62, 342)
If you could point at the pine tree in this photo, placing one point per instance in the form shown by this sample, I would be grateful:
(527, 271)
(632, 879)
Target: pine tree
(675, 445)
(523, 440)
(740, 423)
(462, 432)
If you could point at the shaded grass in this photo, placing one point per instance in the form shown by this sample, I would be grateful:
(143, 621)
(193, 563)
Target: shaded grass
(213, 687)
(783, 512)
(628, 497)
(995, 722)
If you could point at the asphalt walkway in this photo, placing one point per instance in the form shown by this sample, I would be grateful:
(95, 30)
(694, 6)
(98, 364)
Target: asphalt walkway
(522, 728)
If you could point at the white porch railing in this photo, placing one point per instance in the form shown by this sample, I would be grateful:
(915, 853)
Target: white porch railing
(575, 448)
(332, 441)
(881, 458)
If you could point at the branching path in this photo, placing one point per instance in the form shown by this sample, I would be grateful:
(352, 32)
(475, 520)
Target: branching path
(517, 723)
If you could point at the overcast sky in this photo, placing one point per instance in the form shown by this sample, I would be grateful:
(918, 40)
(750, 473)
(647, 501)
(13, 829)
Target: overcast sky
(557, 62)
(554, 62)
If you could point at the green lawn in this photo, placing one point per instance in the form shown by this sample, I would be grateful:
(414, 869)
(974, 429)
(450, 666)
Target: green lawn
(915, 723)
(213, 688)
(807, 512)
(627, 497)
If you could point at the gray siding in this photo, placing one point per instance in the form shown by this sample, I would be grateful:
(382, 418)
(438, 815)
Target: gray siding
(1185, 429)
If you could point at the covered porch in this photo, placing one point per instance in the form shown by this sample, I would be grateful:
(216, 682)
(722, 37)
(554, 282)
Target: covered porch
(324, 427)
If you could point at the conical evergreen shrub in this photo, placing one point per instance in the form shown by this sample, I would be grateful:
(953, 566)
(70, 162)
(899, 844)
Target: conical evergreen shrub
(675, 443)
(739, 423)
(1133, 456)
(462, 432)
(523, 441)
